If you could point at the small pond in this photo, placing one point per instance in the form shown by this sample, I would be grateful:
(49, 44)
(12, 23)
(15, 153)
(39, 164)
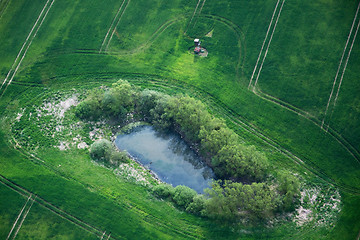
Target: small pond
(168, 156)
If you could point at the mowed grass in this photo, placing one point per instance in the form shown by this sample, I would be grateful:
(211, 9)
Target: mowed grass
(56, 60)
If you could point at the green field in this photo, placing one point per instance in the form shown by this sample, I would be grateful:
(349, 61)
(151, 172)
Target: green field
(283, 75)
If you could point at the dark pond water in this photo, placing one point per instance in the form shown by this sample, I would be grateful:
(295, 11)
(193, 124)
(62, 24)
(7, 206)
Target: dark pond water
(168, 156)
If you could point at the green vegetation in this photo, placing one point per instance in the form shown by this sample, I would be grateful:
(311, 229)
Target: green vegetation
(218, 144)
(103, 150)
(46, 152)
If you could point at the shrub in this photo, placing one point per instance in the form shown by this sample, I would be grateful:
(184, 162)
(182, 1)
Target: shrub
(118, 157)
(183, 195)
(101, 150)
(163, 190)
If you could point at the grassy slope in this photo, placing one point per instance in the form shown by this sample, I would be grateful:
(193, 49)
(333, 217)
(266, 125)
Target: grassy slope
(53, 55)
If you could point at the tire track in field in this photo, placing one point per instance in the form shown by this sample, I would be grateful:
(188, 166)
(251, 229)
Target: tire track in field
(263, 44)
(13, 66)
(192, 17)
(111, 27)
(17, 63)
(233, 117)
(239, 34)
(64, 215)
(148, 43)
(24, 217)
(237, 120)
(5, 5)
(18, 217)
(199, 13)
(339, 67)
(336, 136)
(154, 220)
(342, 76)
(117, 23)
(267, 48)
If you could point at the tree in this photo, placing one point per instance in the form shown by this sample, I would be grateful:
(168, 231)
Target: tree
(188, 115)
(147, 102)
(91, 108)
(289, 188)
(197, 205)
(214, 136)
(230, 200)
(119, 100)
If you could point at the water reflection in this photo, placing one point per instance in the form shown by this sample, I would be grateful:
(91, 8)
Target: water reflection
(168, 156)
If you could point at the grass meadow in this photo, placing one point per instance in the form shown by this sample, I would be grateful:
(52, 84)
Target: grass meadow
(79, 45)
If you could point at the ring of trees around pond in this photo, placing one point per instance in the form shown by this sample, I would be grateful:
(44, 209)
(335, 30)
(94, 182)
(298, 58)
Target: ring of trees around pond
(245, 188)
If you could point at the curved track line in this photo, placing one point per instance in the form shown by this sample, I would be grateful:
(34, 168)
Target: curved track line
(338, 70)
(242, 123)
(262, 47)
(267, 49)
(336, 136)
(148, 43)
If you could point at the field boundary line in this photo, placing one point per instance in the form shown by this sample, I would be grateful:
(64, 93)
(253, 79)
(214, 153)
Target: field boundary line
(267, 49)
(262, 47)
(23, 218)
(338, 70)
(117, 23)
(113, 21)
(28, 46)
(18, 217)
